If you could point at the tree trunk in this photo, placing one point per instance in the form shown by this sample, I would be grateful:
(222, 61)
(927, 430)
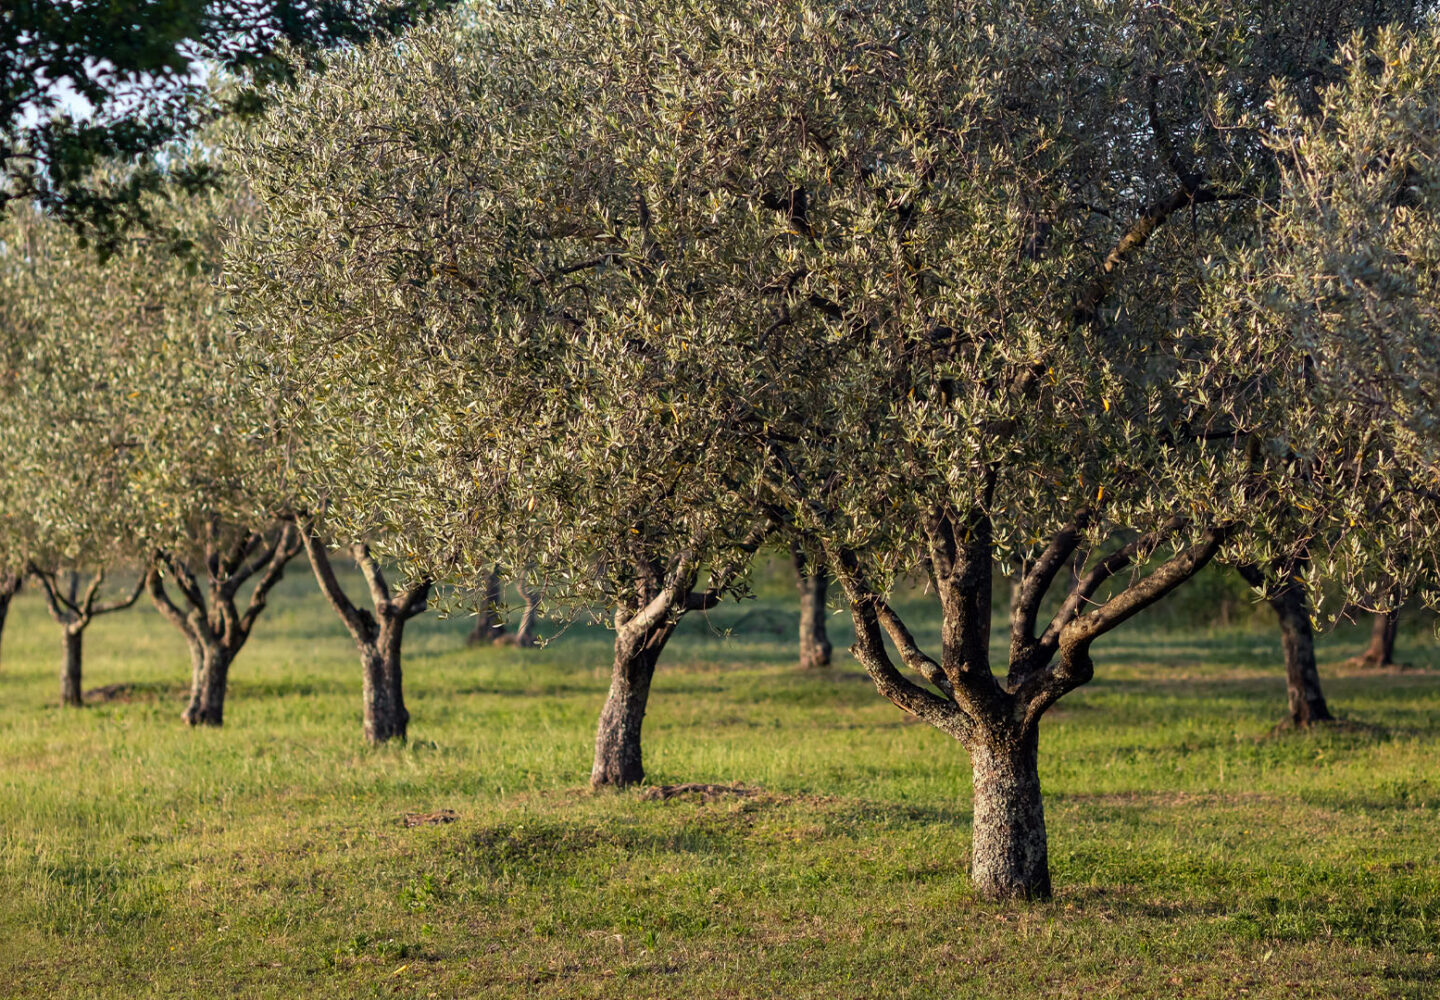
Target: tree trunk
(617, 738)
(1302, 680)
(386, 717)
(1381, 651)
(525, 632)
(8, 587)
(207, 689)
(70, 689)
(815, 646)
(489, 624)
(1009, 856)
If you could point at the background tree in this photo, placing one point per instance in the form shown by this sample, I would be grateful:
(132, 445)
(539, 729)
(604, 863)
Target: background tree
(1380, 650)
(140, 441)
(84, 84)
(67, 489)
(1284, 590)
(405, 259)
(812, 579)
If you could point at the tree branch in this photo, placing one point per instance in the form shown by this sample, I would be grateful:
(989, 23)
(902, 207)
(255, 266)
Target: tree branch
(330, 586)
(285, 548)
(124, 602)
(1036, 583)
(869, 649)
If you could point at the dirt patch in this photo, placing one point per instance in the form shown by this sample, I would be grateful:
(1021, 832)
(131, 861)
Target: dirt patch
(436, 818)
(695, 792)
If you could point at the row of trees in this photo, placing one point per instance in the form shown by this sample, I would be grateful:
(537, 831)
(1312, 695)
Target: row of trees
(616, 294)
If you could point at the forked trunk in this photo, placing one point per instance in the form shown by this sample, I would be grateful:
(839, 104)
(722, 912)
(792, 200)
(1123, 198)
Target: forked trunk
(1381, 651)
(1302, 679)
(617, 738)
(207, 687)
(1009, 857)
(525, 632)
(70, 679)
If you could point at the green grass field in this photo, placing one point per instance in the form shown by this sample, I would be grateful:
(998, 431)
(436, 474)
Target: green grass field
(1196, 852)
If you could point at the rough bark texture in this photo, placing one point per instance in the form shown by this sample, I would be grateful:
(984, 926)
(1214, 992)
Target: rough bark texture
(71, 692)
(1381, 651)
(211, 621)
(1302, 679)
(1297, 639)
(1009, 857)
(813, 582)
(489, 624)
(617, 737)
(210, 676)
(378, 635)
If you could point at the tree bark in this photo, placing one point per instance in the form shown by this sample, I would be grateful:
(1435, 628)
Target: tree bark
(1381, 651)
(210, 677)
(1302, 679)
(617, 738)
(1009, 856)
(1297, 639)
(489, 624)
(71, 692)
(386, 717)
(815, 648)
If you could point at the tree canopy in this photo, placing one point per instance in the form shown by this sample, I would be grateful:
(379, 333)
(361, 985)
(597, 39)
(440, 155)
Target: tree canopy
(140, 67)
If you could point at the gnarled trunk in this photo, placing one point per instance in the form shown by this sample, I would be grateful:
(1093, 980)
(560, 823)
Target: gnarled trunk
(209, 676)
(815, 648)
(379, 635)
(1009, 857)
(71, 693)
(1381, 651)
(997, 721)
(617, 737)
(1302, 679)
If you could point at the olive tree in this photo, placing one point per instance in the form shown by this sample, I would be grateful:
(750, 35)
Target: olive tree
(135, 439)
(67, 486)
(404, 283)
(1344, 269)
(932, 291)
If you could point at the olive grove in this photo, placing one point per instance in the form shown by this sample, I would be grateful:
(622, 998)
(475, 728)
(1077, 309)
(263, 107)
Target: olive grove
(924, 291)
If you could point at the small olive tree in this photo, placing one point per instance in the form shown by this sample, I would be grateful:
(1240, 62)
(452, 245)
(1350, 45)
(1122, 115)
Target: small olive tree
(137, 438)
(67, 488)
(406, 285)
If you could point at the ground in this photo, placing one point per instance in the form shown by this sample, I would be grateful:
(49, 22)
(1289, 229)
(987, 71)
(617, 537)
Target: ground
(1196, 850)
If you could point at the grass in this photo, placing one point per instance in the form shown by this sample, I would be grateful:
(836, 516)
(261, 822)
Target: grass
(1196, 852)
